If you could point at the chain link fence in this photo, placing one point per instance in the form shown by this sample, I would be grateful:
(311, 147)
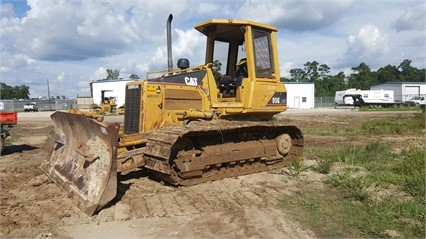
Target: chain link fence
(43, 105)
(324, 102)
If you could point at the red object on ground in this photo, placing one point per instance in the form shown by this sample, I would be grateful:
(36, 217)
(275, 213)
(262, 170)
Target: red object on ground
(8, 118)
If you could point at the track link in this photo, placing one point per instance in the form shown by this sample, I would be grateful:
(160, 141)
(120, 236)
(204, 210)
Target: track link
(204, 151)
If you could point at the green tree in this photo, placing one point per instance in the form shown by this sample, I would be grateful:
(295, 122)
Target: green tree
(112, 74)
(324, 69)
(312, 72)
(216, 68)
(134, 77)
(387, 74)
(6, 91)
(361, 78)
(409, 73)
(298, 75)
(330, 84)
(327, 86)
(311, 69)
(15, 92)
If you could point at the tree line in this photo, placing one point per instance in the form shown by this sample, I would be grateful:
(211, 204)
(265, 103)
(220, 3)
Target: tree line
(362, 77)
(14, 92)
(8, 92)
(115, 75)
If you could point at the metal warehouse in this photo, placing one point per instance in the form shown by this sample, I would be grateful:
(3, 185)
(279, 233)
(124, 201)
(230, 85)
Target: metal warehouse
(111, 88)
(300, 95)
(403, 91)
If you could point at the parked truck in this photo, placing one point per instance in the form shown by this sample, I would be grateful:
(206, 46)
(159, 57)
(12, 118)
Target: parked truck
(31, 107)
(417, 100)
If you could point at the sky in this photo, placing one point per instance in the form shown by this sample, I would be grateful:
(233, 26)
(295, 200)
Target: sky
(64, 45)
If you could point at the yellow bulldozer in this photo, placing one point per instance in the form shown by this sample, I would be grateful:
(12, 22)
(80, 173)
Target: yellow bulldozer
(188, 126)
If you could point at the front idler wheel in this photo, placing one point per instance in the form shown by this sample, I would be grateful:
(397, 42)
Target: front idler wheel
(283, 144)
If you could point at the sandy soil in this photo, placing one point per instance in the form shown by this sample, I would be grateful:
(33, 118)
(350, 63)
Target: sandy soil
(243, 207)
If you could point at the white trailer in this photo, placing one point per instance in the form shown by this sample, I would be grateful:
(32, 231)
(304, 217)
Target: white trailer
(356, 97)
(344, 97)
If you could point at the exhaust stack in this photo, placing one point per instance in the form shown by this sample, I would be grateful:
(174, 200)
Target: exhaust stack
(169, 43)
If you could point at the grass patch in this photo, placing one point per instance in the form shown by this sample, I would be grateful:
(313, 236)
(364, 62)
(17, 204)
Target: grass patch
(332, 131)
(374, 192)
(14, 137)
(354, 188)
(296, 167)
(324, 212)
(400, 108)
(394, 126)
(411, 167)
(383, 126)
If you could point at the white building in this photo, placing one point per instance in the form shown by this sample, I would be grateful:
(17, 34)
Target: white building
(300, 95)
(403, 91)
(111, 88)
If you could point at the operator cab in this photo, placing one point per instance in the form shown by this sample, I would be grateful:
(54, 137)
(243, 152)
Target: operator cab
(239, 51)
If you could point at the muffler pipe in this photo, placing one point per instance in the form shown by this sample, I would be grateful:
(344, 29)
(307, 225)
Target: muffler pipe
(169, 43)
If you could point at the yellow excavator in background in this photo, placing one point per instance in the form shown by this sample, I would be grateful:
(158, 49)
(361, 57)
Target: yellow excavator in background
(106, 106)
(190, 125)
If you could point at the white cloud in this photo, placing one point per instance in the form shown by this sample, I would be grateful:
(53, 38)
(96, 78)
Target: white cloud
(99, 74)
(366, 46)
(412, 19)
(76, 30)
(369, 40)
(295, 15)
(61, 77)
(189, 44)
(15, 61)
(6, 11)
(79, 30)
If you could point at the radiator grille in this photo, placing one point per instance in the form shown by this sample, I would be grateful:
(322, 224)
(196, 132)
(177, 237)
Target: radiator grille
(176, 99)
(133, 108)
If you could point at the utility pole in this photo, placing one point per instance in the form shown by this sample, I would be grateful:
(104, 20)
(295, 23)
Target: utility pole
(48, 94)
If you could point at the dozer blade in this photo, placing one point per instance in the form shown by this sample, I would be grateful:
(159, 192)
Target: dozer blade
(83, 161)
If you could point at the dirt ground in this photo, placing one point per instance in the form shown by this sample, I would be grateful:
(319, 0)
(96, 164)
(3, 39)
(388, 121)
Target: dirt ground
(242, 207)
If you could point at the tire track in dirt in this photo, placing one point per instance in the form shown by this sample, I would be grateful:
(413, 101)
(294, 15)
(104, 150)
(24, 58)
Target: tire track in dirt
(170, 205)
(245, 206)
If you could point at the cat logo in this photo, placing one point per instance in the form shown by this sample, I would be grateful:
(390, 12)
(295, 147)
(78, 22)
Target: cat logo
(130, 87)
(191, 81)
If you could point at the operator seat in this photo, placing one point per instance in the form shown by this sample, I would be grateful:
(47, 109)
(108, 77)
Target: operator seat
(228, 85)
(242, 68)
(242, 71)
